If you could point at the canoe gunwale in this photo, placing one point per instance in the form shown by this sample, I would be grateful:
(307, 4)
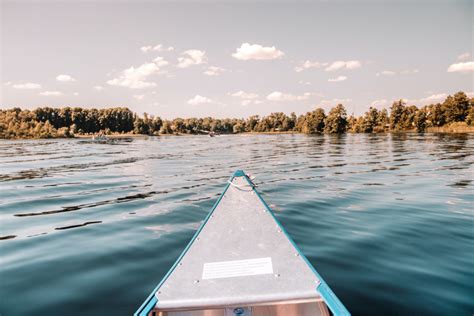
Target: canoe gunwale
(151, 300)
(331, 300)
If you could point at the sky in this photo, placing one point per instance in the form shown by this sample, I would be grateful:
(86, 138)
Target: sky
(233, 58)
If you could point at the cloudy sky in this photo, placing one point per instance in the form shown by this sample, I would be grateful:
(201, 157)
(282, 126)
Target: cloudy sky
(233, 58)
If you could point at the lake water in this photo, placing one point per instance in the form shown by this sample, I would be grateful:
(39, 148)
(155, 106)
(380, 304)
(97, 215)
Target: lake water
(90, 228)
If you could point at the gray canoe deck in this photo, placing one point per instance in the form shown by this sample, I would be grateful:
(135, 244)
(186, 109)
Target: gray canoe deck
(240, 256)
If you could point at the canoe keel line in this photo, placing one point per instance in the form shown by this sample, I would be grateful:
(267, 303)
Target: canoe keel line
(241, 262)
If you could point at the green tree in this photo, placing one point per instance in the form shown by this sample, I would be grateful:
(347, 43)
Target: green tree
(166, 128)
(397, 115)
(252, 123)
(312, 122)
(371, 120)
(420, 121)
(436, 115)
(456, 107)
(470, 114)
(336, 121)
(383, 121)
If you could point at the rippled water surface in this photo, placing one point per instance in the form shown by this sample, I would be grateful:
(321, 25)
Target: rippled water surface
(90, 228)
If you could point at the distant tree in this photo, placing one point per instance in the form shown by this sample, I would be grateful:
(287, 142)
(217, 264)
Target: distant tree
(312, 122)
(436, 115)
(397, 115)
(47, 122)
(456, 107)
(238, 128)
(64, 132)
(420, 121)
(351, 123)
(371, 120)
(166, 128)
(292, 119)
(409, 117)
(470, 114)
(252, 123)
(336, 121)
(139, 126)
(383, 121)
(155, 125)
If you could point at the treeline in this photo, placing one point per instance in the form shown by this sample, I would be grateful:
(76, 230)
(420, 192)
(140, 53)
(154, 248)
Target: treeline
(49, 122)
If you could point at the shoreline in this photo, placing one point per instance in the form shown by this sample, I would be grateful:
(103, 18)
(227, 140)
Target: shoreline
(430, 130)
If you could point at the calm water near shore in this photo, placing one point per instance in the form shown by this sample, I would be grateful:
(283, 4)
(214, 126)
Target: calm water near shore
(90, 228)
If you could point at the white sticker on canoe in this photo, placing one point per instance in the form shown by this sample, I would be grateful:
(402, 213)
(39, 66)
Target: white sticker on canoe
(237, 268)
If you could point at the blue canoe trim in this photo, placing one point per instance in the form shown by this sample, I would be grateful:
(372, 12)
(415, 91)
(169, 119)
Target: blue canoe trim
(334, 304)
(151, 300)
(324, 290)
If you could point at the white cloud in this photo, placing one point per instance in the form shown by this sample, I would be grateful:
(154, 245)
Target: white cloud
(463, 67)
(198, 99)
(157, 48)
(379, 104)
(160, 61)
(257, 52)
(75, 94)
(393, 73)
(136, 78)
(139, 96)
(8, 83)
(280, 96)
(350, 64)
(98, 88)
(309, 64)
(244, 95)
(434, 98)
(214, 71)
(51, 93)
(27, 86)
(65, 78)
(464, 57)
(337, 79)
(248, 102)
(192, 57)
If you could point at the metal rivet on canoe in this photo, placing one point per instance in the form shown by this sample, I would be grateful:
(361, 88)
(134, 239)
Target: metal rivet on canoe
(297, 254)
(277, 275)
(196, 281)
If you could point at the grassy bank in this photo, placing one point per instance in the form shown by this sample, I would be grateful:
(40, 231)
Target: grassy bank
(457, 127)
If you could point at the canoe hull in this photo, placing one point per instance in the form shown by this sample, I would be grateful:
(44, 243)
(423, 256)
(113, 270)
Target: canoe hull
(241, 257)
